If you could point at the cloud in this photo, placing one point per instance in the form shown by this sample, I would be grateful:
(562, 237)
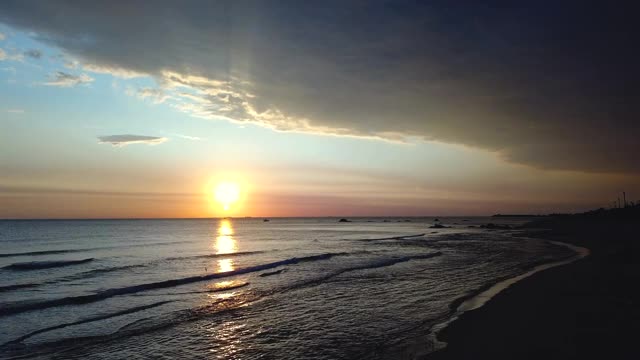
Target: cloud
(127, 139)
(188, 137)
(107, 69)
(12, 57)
(69, 63)
(33, 53)
(63, 79)
(2, 36)
(514, 79)
(157, 96)
(35, 190)
(15, 111)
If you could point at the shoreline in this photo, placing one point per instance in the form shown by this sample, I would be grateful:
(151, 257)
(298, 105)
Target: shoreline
(583, 309)
(484, 295)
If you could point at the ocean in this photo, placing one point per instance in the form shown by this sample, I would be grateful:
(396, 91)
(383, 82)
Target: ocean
(246, 288)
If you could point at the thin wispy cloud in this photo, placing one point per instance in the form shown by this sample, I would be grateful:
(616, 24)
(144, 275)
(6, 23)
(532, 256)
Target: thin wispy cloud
(155, 95)
(58, 190)
(111, 70)
(63, 79)
(188, 137)
(5, 56)
(2, 36)
(129, 139)
(15, 111)
(115, 71)
(70, 63)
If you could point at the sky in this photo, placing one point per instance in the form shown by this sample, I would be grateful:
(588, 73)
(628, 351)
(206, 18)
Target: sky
(335, 108)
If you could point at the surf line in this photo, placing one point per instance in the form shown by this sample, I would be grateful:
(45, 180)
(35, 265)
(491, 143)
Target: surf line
(485, 295)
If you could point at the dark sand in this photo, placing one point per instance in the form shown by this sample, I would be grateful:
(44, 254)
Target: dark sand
(583, 310)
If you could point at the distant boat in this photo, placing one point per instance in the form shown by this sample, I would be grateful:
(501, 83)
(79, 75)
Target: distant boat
(265, 220)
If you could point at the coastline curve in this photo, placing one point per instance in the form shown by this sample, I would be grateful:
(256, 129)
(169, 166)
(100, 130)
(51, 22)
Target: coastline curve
(486, 294)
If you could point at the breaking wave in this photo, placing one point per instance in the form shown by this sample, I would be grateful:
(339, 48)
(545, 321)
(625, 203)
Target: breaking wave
(11, 309)
(37, 253)
(37, 265)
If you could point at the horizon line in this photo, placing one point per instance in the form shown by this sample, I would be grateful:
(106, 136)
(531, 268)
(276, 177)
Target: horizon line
(274, 217)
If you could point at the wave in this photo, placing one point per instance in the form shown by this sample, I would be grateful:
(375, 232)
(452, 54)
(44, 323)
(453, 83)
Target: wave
(372, 265)
(216, 308)
(393, 237)
(36, 265)
(234, 285)
(95, 272)
(67, 251)
(17, 286)
(141, 326)
(480, 296)
(270, 273)
(36, 253)
(207, 256)
(101, 295)
(389, 262)
(86, 320)
(72, 277)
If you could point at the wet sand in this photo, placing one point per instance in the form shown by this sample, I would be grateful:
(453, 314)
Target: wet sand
(585, 309)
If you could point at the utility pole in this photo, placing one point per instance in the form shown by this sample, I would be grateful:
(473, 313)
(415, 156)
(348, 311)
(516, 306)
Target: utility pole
(624, 196)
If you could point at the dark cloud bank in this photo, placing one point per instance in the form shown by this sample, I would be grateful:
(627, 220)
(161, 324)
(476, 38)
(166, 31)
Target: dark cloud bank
(553, 85)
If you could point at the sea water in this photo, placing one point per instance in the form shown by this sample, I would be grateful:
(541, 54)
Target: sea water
(287, 288)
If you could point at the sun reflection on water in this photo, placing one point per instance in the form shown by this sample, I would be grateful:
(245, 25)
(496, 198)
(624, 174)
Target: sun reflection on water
(223, 296)
(225, 265)
(225, 244)
(222, 284)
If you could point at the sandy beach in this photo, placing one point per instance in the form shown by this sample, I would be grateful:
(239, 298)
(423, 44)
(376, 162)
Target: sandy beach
(586, 309)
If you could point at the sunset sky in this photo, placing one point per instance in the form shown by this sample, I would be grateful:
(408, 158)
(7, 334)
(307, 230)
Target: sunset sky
(121, 109)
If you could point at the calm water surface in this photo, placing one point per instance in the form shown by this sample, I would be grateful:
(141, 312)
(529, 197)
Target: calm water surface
(244, 288)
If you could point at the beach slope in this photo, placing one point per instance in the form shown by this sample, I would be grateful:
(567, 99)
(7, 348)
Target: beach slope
(586, 309)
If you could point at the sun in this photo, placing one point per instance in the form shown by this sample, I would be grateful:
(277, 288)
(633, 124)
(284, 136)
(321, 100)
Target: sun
(227, 193)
